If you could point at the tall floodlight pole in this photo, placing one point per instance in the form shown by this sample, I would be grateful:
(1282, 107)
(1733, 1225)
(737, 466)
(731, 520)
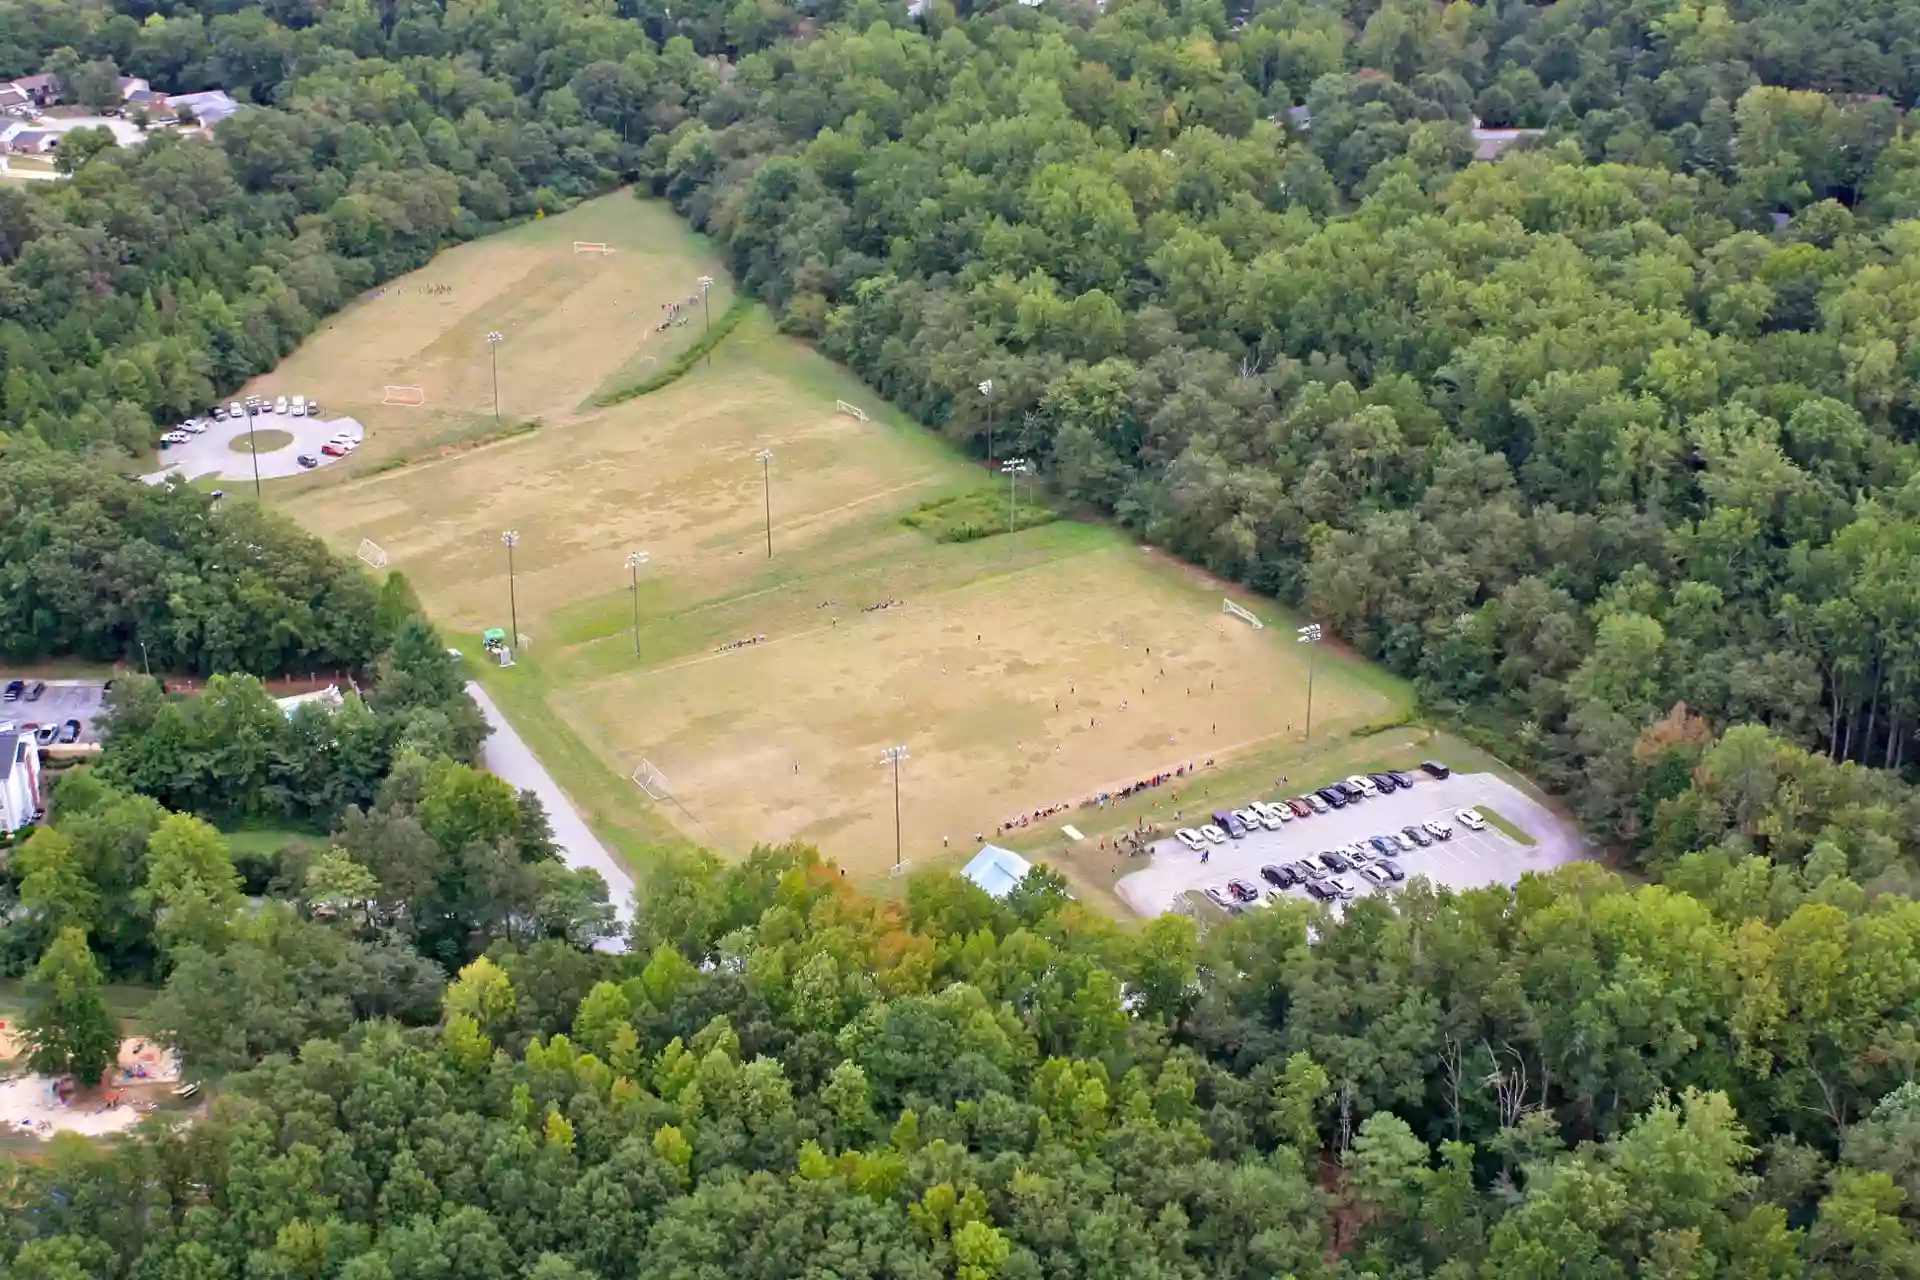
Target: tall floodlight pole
(253, 448)
(766, 491)
(893, 756)
(986, 389)
(1309, 635)
(1013, 469)
(511, 539)
(494, 339)
(146, 662)
(634, 560)
(706, 283)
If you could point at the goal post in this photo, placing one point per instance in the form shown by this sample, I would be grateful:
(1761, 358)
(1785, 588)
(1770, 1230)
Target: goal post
(651, 781)
(408, 397)
(525, 641)
(373, 553)
(591, 246)
(1229, 607)
(851, 410)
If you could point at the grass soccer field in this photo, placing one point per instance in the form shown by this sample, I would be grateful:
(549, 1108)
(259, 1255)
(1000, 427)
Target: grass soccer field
(1020, 670)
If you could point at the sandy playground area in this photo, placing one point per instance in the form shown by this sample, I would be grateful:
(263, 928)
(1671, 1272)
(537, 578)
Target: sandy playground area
(41, 1106)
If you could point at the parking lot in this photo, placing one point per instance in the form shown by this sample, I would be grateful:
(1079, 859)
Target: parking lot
(1470, 860)
(63, 700)
(212, 453)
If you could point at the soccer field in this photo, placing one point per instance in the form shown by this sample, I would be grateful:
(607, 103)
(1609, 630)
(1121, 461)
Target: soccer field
(1020, 671)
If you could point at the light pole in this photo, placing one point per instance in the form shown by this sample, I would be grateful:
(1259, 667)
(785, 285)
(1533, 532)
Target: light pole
(253, 448)
(706, 283)
(494, 339)
(511, 539)
(893, 756)
(634, 560)
(986, 389)
(766, 491)
(1309, 635)
(1013, 469)
(146, 662)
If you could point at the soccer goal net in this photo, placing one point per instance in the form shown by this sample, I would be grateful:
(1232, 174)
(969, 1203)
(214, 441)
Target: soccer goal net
(1228, 606)
(525, 640)
(590, 246)
(851, 410)
(651, 781)
(412, 397)
(372, 553)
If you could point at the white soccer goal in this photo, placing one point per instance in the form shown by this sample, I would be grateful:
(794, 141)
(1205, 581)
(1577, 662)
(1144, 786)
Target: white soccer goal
(1228, 606)
(524, 640)
(851, 410)
(409, 397)
(590, 246)
(651, 781)
(372, 553)
(504, 656)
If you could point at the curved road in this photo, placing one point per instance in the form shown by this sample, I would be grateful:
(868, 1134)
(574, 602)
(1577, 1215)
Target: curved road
(508, 758)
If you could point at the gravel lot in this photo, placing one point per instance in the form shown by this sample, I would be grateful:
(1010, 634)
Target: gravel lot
(64, 700)
(1468, 861)
(213, 454)
(508, 758)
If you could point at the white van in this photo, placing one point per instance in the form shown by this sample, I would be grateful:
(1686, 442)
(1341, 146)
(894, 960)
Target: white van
(280, 405)
(299, 406)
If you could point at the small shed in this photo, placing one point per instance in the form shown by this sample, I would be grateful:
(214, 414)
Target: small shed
(998, 871)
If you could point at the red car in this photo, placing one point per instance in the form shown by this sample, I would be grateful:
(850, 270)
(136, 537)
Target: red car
(333, 450)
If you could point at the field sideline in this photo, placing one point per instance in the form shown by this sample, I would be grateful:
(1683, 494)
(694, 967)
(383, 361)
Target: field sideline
(1020, 670)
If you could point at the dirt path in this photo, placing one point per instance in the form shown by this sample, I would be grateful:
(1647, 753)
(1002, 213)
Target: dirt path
(509, 759)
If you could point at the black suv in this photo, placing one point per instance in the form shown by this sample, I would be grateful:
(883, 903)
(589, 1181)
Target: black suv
(1435, 768)
(1335, 796)
(1335, 862)
(1279, 877)
(1385, 782)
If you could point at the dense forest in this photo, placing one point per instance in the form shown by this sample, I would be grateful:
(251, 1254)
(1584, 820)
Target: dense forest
(1608, 443)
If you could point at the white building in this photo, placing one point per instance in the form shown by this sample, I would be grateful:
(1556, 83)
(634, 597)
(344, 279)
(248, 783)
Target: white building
(19, 779)
(327, 699)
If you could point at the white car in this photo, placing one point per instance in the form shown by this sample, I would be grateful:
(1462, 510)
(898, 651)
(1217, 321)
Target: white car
(1405, 842)
(1471, 820)
(299, 406)
(1374, 875)
(280, 405)
(345, 441)
(175, 437)
(1250, 819)
(1274, 815)
(1438, 829)
(194, 425)
(1213, 834)
(235, 411)
(1368, 786)
(1190, 838)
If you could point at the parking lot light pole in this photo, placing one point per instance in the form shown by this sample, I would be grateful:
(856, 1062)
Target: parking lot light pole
(511, 539)
(1309, 635)
(254, 449)
(766, 491)
(893, 756)
(494, 339)
(634, 560)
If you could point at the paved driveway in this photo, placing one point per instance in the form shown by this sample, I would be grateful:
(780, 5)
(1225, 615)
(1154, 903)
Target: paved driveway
(1468, 861)
(213, 454)
(63, 700)
(508, 758)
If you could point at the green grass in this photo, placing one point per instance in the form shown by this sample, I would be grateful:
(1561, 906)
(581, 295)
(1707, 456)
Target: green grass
(1504, 825)
(266, 841)
(976, 514)
(126, 1001)
(262, 440)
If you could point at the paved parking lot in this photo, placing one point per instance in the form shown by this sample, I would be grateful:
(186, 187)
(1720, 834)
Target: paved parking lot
(213, 454)
(64, 700)
(1468, 861)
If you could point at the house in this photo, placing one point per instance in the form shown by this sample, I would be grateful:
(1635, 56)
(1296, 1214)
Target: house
(327, 699)
(996, 870)
(1488, 144)
(30, 142)
(209, 106)
(14, 98)
(130, 85)
(42, 90)
(19, 780)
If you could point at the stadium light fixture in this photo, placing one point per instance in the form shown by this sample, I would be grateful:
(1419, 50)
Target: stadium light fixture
(634, 560)
(1013, 469)
(893, 756)
(986, 390)
(494, 339)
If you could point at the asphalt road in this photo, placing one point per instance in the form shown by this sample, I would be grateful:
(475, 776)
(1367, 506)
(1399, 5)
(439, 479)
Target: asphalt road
(1470, 860)
(213, 454)
(508, 758)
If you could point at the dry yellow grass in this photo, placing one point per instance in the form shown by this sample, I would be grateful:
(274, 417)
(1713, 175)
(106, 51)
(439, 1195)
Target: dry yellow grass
(966, 671)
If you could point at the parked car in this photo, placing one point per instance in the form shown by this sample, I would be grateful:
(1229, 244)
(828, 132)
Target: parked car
(1374, 875)
(234, 410)
(1392, 869)
(299, 406)
(334, 449)
(1315, 802)
(313, 408)
(1318, 892)
(1343, 888)
(1230, 824)
(35, 689)
(1336, 862)
(1471, 820)
(1337, 799)
(1405, 841)
(1219, 898)
(1194, 841)
(1435, 768)
(219, 413)
(194, 427)
(1279, 877)
(1300, 808)
(1439, 830)
(1212, 834)
(1363, 784)
(1383, 846)
(1385, 782)
(1274, 815)
(174, 437)
(308, 461)
(45, 734)
(13, 691)
(1250, 820)
(1309, 870)
(70, 731)
(1405, 780)
(1243, 891)
(1353, 794)
(280, 404)
(1418, 835)
(1358, 855)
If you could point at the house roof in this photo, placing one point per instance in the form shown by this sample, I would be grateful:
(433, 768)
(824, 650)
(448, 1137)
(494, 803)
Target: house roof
(998, 871)
(9, 749)
(12, 95)
(327, 699)
(1489, 143)
(27, 84)
(32, 138)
